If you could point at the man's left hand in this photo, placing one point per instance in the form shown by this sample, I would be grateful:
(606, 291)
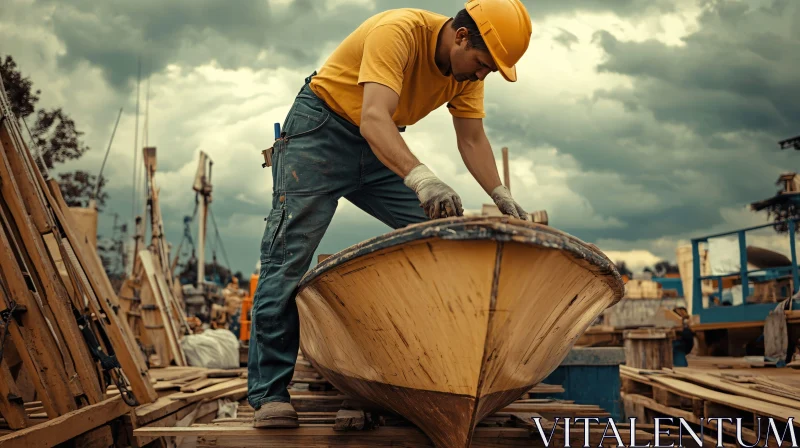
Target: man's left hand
(507, 205)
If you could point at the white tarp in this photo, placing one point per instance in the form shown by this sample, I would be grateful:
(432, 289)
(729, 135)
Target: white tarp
(723, 256)
(213, 349)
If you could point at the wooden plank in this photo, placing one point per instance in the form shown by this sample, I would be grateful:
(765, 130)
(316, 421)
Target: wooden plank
(13, 411)
(92, 265)
(183, 417)
(48, 283)
(125, 350)
(160, 408)
(202, 383)
(67, 426)
(748, 404)
(658, 407)
(34, 341)
(14, 144)
(542, 388)
(159, 242)
(170, 326)
(347, 419)
(210, 391)
(152, 317)
(715, 382)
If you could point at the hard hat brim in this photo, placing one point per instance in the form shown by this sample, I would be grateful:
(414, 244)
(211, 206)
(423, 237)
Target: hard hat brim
(509, 73)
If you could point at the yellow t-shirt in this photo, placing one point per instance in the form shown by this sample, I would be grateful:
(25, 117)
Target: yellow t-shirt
(395, 48)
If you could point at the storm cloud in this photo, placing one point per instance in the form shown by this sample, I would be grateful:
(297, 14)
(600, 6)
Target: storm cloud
(636, 124)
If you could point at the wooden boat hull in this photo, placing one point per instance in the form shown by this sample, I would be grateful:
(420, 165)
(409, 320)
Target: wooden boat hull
(448, 321)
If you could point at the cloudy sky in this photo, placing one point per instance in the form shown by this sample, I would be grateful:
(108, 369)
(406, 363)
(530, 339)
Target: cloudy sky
(636, 124)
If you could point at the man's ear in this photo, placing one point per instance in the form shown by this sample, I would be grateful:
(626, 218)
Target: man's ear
(461, 35)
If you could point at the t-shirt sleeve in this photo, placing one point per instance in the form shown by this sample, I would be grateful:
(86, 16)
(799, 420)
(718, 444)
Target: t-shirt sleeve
(469, 102)
(387, 52)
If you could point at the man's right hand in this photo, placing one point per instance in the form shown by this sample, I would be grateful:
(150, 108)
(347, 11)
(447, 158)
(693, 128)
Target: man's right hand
(437, 198)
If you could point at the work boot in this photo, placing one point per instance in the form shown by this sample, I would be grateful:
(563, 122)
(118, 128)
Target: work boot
(275, 414)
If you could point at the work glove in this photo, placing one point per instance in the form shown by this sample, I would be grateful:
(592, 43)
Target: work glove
(436, 198)
(507, 205)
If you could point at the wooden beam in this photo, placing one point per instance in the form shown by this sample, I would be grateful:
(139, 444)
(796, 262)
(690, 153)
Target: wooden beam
(17, 169)
(158, 294)
(12, 407)
(77, 361)
(506, 173)
(34, 341)
(67, 426)
(125, 350)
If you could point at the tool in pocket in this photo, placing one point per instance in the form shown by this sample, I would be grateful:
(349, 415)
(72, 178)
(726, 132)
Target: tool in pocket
(267, 153)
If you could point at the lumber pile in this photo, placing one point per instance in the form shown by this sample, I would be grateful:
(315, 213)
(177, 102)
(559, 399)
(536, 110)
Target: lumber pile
(727, 362)
(697, 395)
(187, 395)
(63, 342)
(643, 289)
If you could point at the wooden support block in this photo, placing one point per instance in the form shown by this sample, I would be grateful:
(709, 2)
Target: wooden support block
(349, 419)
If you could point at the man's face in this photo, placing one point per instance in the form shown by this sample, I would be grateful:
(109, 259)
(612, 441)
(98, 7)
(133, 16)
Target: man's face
(468, 63)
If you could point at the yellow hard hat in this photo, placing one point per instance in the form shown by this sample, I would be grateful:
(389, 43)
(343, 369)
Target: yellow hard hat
(506, 28)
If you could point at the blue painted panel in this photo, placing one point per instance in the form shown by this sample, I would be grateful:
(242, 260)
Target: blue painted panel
(591, 376)
(670, 283)
(739, 313)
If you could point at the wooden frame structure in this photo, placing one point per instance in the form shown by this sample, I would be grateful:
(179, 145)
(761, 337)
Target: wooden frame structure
(151, 296)
(66, 341)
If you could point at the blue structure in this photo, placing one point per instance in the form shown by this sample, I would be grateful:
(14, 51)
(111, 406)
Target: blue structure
(744, 312)
(590, 375)
(670, 283)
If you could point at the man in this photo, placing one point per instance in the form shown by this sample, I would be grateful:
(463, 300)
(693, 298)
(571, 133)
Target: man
(341, 139)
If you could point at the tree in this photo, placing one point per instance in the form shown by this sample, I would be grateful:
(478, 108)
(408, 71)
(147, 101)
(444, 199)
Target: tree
(785, 205)
(18, 89)
(77, 187)
(664, 267)
(622, 267)
(54, 135)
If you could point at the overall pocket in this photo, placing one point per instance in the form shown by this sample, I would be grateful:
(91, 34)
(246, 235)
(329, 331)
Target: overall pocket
(304, 118)
(272, 243)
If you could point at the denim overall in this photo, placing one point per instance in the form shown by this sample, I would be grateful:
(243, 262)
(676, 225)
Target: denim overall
(321, 158)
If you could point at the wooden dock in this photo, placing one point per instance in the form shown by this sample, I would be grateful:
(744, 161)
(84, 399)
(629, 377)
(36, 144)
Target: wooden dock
(186, 416)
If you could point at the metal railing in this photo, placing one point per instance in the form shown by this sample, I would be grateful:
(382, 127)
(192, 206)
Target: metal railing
(744, 273)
